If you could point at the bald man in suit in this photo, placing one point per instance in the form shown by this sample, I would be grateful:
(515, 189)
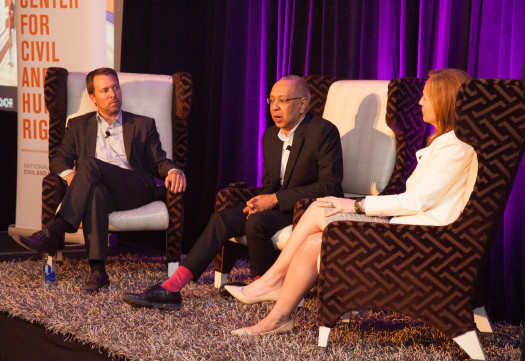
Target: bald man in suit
(302, 159)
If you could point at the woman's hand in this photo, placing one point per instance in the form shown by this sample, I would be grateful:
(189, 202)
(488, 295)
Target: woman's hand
(339, 205)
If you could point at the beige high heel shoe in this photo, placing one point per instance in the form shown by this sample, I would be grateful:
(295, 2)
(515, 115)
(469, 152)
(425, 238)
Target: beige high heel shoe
(287, 327)
(236, 292)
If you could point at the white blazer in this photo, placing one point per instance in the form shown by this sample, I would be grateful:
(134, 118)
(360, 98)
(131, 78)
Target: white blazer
(438, 189)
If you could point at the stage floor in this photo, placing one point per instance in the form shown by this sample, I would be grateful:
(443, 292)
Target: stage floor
(25, 341)
(200, 330)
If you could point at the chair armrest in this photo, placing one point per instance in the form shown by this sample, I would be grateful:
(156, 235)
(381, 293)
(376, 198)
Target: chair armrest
(230, 252)
(175, 205)
(299, 209)
(231, 196)
(53, 191)
(420, 271)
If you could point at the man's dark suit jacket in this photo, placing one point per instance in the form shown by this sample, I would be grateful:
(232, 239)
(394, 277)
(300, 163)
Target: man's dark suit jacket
(314, 169)
(141, 142)
(315, 164)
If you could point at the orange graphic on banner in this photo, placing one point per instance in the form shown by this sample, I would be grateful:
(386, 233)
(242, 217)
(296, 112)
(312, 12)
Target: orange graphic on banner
(33, 103)
(35, 129)
(36, 24)
(33, 77)
(39, 51)
(49, 4)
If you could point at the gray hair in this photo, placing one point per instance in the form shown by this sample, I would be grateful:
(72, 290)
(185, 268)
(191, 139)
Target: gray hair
(300, 85)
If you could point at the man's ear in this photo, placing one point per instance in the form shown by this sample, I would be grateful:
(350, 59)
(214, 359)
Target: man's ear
(93, 100)
(304, 105)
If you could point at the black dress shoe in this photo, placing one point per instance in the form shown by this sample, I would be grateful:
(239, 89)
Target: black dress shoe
(155, 297)
(41, 241)
(97, 281)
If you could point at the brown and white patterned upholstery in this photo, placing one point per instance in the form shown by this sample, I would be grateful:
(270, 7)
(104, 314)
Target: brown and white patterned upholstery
(431, 272)
(398, 104)
(319, 85)
(172, 129)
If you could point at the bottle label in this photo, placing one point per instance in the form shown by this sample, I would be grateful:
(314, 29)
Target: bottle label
(49, 275)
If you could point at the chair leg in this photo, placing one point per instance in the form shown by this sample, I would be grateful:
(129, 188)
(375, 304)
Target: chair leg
(346, 317)
(324, 332)
(59, 256)
(228, 256)
(220, 279)
(482, 320)
(112, 240)
(172, 267)
(469, 342)
(301, 303)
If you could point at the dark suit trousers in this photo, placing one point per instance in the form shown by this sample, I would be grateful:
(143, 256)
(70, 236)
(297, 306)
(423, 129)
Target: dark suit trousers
(99, 188)
(259, 228)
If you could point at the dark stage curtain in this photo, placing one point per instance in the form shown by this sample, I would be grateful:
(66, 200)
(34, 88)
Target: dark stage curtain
(235, 50)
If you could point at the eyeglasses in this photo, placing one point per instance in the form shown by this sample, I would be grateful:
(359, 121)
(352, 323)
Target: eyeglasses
(271, 101)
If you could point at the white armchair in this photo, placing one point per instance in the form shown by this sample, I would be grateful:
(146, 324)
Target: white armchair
(163, 97)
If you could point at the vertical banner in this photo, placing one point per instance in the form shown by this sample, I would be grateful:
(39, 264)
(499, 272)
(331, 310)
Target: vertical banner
(50, 33)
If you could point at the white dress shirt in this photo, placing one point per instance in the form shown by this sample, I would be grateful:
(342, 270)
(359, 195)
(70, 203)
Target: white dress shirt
(109, 148)
(287, 142)
(110, 142)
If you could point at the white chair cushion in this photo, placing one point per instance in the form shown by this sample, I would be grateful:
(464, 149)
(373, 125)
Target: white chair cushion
(358, 109)
(134, 88)
(153, 216)
(278, 239)
(150, 217)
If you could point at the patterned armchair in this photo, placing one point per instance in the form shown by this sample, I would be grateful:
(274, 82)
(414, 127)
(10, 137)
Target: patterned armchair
(394, 162)
(165, 98)
(430, 272)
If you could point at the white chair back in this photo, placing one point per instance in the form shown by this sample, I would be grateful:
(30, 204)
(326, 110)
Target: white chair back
(358, 109)
(145, 94)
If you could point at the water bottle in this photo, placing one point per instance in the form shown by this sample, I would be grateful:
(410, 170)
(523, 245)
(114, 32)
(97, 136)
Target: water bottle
(49, 270)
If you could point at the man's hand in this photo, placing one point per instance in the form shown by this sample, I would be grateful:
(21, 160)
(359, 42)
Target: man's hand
(176, 181)
(260, 203)
(69, 178)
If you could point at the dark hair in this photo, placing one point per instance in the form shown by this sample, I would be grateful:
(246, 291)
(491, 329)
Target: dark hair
(443, 86)
(100, 71)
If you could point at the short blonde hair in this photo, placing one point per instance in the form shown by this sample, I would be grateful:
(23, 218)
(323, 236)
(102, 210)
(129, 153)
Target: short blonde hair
(442, 87)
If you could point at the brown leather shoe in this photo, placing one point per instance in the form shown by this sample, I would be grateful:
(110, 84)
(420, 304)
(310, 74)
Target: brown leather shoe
(40, 241)
(97, 281)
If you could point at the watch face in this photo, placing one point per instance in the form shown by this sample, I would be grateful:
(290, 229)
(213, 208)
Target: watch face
(357, 207)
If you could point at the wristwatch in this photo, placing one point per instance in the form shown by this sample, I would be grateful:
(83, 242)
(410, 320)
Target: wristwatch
(357, 207)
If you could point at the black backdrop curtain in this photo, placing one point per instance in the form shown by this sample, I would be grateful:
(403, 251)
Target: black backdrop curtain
(236, 49)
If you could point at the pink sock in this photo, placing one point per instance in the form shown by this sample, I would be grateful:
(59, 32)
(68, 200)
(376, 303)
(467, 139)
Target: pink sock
(178, 280)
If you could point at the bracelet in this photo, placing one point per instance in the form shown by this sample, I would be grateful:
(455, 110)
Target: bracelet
(180, 170)
(357, 207)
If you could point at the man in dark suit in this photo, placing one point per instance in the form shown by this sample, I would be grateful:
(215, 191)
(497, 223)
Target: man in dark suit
(302, 158)
(109, 159)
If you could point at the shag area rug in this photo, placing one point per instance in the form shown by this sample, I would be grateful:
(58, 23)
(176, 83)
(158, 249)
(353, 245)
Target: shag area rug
(200, 330)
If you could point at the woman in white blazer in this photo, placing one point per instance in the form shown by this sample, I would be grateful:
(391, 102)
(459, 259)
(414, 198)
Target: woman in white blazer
(436, 193)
